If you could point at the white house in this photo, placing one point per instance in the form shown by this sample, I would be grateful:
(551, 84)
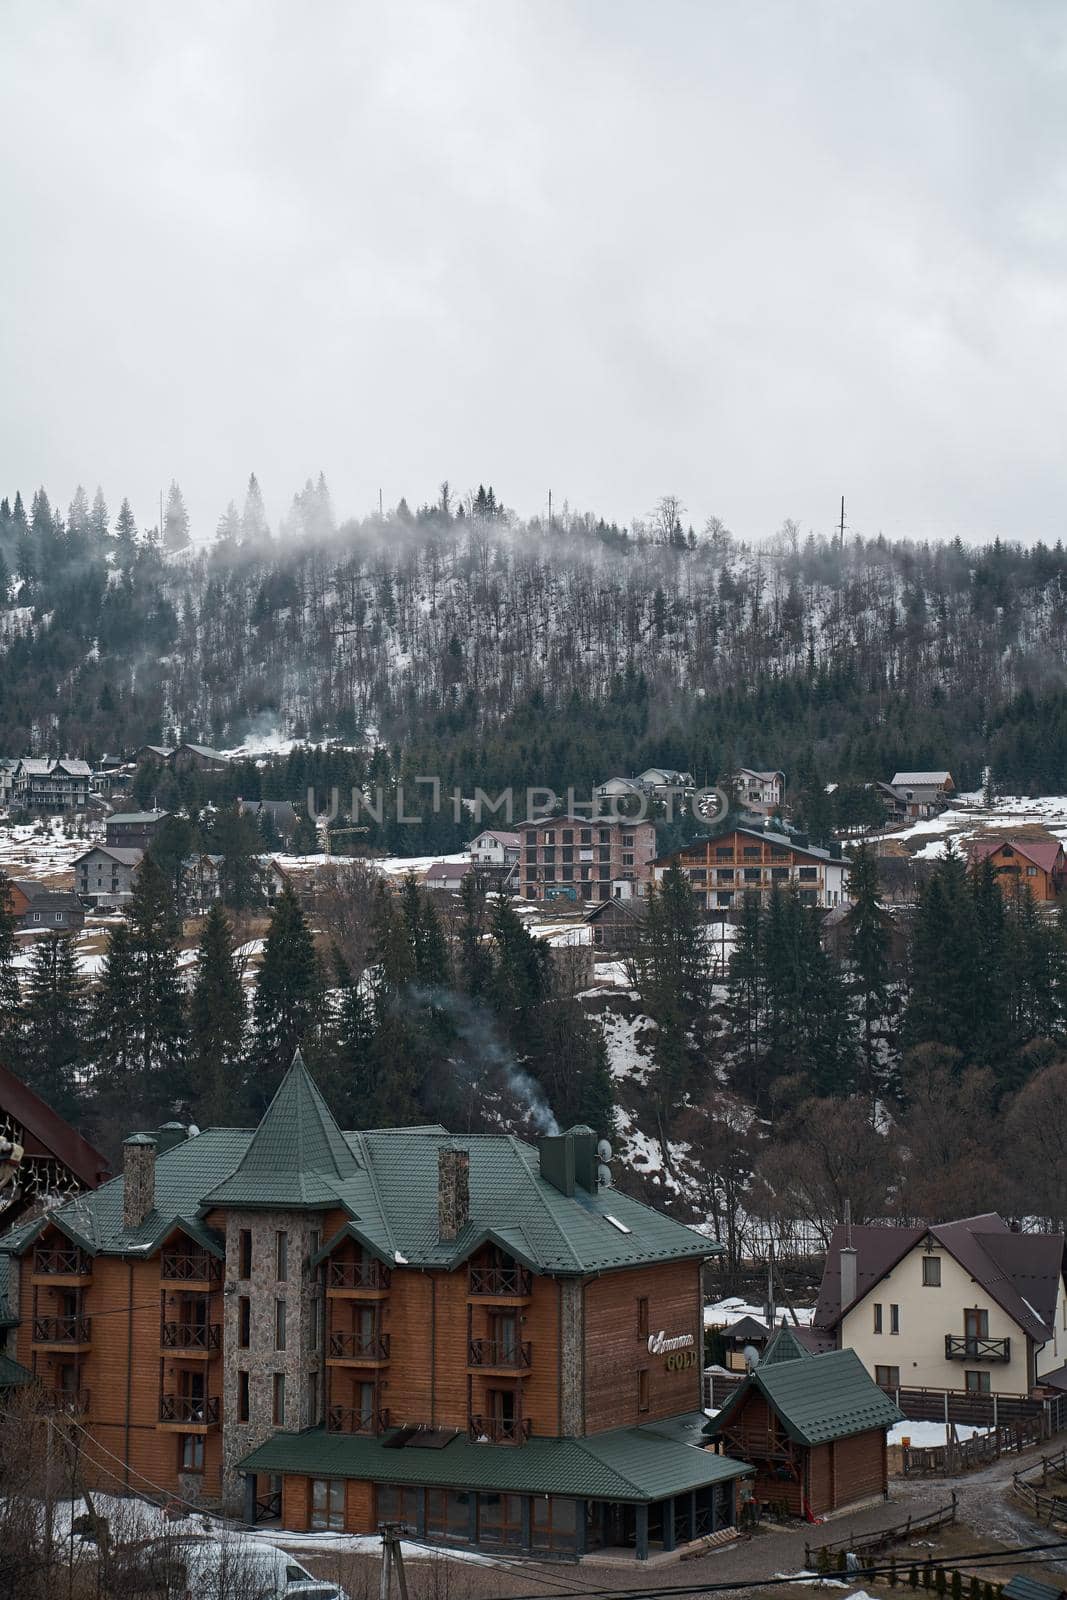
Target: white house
(104, 875)
(658, 780)
(759, 791)
(494, 847)
(968, 1306)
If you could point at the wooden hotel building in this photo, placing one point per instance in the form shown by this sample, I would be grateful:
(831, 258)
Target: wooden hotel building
(329, 1330)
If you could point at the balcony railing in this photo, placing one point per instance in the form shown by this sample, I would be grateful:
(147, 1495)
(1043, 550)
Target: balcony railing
(499, 1353)
(67, 1262)
(191, 1335)
(350, 1419)
(61, 1330)
(498, 1281)
(967, 1347)
(202, 1410)
(359, 1346)
(499, 1430)
(370, 1274)
(65, 1402)
(183, 1267)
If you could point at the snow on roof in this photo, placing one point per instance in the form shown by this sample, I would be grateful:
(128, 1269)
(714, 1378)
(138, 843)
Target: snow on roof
(922, 779)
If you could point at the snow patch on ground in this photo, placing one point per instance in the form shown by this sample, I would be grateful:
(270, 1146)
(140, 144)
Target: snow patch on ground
(927, 1434)
(724, 1313)
(628, 1040)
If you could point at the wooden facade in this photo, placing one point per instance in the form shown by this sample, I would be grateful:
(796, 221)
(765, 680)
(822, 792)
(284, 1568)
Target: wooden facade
(806, 1480)
(723, 868)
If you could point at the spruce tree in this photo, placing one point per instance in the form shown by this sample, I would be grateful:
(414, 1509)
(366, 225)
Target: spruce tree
(390, 953)
(99, 520)
(428, 947)
(53, 1023)
(175, 521)
(10, 996)
(159, 1021)
(217, 1018)
(475, 959)
(745, 995)
(674, 980)
(236, 839)
(945, 961)
(287, 1004)
(868, 954)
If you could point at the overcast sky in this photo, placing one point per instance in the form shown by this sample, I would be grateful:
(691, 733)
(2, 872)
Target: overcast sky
(754, 254)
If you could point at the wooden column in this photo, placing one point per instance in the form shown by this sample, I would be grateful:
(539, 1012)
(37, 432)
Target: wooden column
(642, 1533)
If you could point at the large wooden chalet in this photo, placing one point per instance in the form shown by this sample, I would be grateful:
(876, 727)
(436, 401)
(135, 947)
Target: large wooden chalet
(813, 1426)
(330, 1330)
(722, 868)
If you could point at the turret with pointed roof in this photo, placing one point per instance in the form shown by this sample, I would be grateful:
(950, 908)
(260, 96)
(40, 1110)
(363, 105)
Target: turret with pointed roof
(298, 1155)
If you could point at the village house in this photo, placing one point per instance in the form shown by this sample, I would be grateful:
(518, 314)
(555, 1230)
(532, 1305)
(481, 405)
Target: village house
(494, 848)
(723, 868)
(617, 925)
(760, 791)
(813, 1426)
(153, 755)
(277, 814)
(133, 830)
(655, 783)
(473, 1336)
(967, 1306)
(575, 858)
(40, 909)
(103, 875)
(446, 875)
(47, 785)
(198, 758)
(917, 795)
(1039, 864)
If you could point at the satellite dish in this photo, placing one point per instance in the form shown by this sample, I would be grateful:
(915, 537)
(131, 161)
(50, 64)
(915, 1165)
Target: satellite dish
(603, 1150)
(603, 1175)
(751, 1355)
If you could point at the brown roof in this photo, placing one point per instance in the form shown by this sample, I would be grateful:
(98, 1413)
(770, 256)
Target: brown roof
(1044, 853)
(48, 1130)
(1020, 1271)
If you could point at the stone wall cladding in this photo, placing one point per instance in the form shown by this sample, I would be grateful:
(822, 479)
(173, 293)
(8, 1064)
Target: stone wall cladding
(572, 1358)
(261, 1360)
(139, 1181)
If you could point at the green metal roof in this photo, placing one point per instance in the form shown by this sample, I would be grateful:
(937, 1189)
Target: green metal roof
(298, 1155)
(13, 1374)
(828, 1396)
(784, 1346)
(386, 1182)
(636, 1464)
(1023, 1587)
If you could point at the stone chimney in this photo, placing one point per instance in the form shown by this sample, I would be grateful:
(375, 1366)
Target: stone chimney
(139, 1179)
(453, 1191)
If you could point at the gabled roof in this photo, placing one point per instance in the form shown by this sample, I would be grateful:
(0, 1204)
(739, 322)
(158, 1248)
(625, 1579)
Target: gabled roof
(498, 835)
(298, 1155)
(756, 772)
(451, 871)
(46, 1133)
(921, 780)
(631, 1464)
(386, 1182)
(128, 855)
(1044, 853)
(138, 818)
(1020, 1271)
(816, 1398)
(780, 841)
(202, 750)
(632, 906)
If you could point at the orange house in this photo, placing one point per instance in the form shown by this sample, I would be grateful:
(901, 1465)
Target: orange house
(1038, 863)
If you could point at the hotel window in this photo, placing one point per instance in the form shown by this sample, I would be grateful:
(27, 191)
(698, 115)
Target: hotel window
(642, 1389)
(724, 855)
(448, 1513)
(281, 1255)
(627, 841)
(568, 835)
(244, 1268)
(242, 1397)
(500, 1519)
(553, 1522)
(327, 1503)
(279, 1324)
(190, 1452)
(726, 899)
(887, 1377)
(751, 852)
(642, 1317)
(894, 1319)
(807, 874)
(279, 1399)
(550, 836)
(605, 835)
(977, 1383)
(877, 1316)
(627, 860)
(244, 1322)
(585, 836)
(932, 1272)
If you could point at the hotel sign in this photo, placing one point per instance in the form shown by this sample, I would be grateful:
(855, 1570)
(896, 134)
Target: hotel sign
(679, 1349)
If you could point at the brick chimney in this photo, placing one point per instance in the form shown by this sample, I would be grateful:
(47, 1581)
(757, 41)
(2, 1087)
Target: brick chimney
(139, 1178)
(453, 1191)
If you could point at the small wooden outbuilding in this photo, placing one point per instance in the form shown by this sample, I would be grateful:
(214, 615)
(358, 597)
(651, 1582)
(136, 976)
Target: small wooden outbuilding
(813, 1426)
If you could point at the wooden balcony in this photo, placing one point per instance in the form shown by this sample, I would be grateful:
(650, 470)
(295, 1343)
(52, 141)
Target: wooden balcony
(189, 1413)
(65, 1267)
(357, 1349)
(61, 1333)
(500, 1283)
(194, 1270)
(499, 1355)
(357, 1280)
(349, 1419)
(965, 1347)
(64, 1402)
(498, 1430)
(191, 1339)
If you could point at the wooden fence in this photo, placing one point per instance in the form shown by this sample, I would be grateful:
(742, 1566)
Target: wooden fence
(961, 1455)
(1033, 1490)
(871, 1543)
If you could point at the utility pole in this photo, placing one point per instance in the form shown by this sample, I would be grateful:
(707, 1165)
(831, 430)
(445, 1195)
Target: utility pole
(550, 511)
(379, 502)
(392, 1556)
(841, 540)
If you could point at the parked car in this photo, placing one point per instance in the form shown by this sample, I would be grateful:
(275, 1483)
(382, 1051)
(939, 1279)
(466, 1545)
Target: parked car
(224, 1566)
